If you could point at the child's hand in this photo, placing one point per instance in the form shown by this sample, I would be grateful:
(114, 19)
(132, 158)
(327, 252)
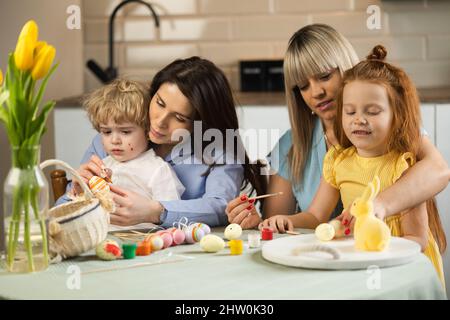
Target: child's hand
(347, 220)
(92, 168)
(279, 223)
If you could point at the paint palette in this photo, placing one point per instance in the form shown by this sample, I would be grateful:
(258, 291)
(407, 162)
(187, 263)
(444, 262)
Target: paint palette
(283, 251)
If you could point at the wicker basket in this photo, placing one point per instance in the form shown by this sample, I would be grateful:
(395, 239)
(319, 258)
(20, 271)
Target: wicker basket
(77, 226)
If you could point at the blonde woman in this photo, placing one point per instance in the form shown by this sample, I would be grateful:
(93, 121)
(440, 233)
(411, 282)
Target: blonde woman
(316, 58)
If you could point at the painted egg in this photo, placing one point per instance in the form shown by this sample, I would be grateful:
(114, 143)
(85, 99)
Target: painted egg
(233, 231)
(212, 243)
(193, 233)
(108, 250)
(97, 184)
(156, 241)
(178, 236)
(324, 232)
(206, 229)
(167, 238)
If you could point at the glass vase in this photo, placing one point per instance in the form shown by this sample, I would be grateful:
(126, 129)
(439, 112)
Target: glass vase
(25, 211)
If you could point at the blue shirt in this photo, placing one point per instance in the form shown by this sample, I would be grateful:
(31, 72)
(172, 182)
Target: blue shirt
(306, 190)
(205, 197)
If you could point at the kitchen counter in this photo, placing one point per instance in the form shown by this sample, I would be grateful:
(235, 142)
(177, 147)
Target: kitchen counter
(427, 95)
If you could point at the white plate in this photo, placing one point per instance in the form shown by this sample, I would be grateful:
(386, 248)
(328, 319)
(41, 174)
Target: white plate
(400, 251)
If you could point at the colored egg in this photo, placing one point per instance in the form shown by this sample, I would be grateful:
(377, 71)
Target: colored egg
(232, 231)
(325, 232)
(178, 236)
(108, 250)
(167, 238)
(193, 234)
(212, 243)
(156, 241)
(206, 229)
(97, 184)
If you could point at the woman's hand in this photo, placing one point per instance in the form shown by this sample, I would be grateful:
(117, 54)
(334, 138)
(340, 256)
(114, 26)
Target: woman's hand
(243, 212)
(132, 208)
(280, 223)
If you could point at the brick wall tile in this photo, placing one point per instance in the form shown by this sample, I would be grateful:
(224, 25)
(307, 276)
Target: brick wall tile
(267, 28)
(311, 5)
(195, 29)
(154, 56)
(237, 7)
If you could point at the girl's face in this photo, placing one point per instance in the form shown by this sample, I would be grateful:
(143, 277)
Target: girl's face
(169, 110)
(320, 92)
(367, 117)
(123, 141)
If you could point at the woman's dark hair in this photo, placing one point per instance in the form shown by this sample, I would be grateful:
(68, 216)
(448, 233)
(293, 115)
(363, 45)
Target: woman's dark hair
(209, 93)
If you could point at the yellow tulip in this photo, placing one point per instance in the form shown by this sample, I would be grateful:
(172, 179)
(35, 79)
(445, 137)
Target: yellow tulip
(44, 60)
(30, 29)
(24, 54)
(39, 46)
(1, 77)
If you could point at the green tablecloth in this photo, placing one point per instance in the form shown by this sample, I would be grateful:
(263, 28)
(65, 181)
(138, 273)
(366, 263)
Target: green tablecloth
(189, 273)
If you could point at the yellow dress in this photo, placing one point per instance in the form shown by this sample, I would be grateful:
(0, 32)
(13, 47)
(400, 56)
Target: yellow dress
(350, 173)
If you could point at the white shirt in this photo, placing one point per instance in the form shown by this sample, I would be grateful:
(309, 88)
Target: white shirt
(147, 175)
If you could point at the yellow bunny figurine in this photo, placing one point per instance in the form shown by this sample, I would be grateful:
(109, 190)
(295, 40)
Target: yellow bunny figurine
(371, 233)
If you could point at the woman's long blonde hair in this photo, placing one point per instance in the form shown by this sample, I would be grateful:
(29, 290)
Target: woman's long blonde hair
(312, 50)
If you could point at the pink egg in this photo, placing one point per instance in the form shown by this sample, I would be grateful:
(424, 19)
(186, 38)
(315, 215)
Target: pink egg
(167, 238)
(178, 236)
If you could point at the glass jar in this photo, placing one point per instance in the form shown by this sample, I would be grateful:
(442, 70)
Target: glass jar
(24, 234)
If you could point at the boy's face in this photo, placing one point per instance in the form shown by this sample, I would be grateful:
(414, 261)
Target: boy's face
(367, 117)
(123, 141)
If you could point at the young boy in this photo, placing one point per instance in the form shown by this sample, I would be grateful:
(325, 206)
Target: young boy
(119, 112)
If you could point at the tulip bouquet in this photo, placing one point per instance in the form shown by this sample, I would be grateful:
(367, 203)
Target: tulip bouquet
(29, 69)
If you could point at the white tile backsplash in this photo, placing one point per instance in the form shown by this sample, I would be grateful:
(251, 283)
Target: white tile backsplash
(416, 33)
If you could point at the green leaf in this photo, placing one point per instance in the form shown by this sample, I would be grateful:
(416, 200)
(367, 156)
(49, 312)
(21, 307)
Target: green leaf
(3, 111)
(38, 124)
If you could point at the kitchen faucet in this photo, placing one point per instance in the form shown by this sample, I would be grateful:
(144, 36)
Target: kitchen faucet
(111, 73)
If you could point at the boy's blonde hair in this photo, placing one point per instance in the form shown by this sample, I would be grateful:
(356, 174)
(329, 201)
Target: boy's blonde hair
(121, 101)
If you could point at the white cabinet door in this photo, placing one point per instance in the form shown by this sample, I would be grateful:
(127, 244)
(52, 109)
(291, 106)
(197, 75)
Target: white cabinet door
(443, 199)
(73, 134)
(262, 127)
(428, 120)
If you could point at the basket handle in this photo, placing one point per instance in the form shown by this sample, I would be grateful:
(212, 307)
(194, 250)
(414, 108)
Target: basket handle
(76, 176)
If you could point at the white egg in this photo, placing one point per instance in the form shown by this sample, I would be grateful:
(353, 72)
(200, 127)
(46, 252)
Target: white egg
(212, 243)
(233, 231)
(324, 232)
(339, 229)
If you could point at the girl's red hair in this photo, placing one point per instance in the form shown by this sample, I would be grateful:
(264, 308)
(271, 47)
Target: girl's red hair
(404, 134)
